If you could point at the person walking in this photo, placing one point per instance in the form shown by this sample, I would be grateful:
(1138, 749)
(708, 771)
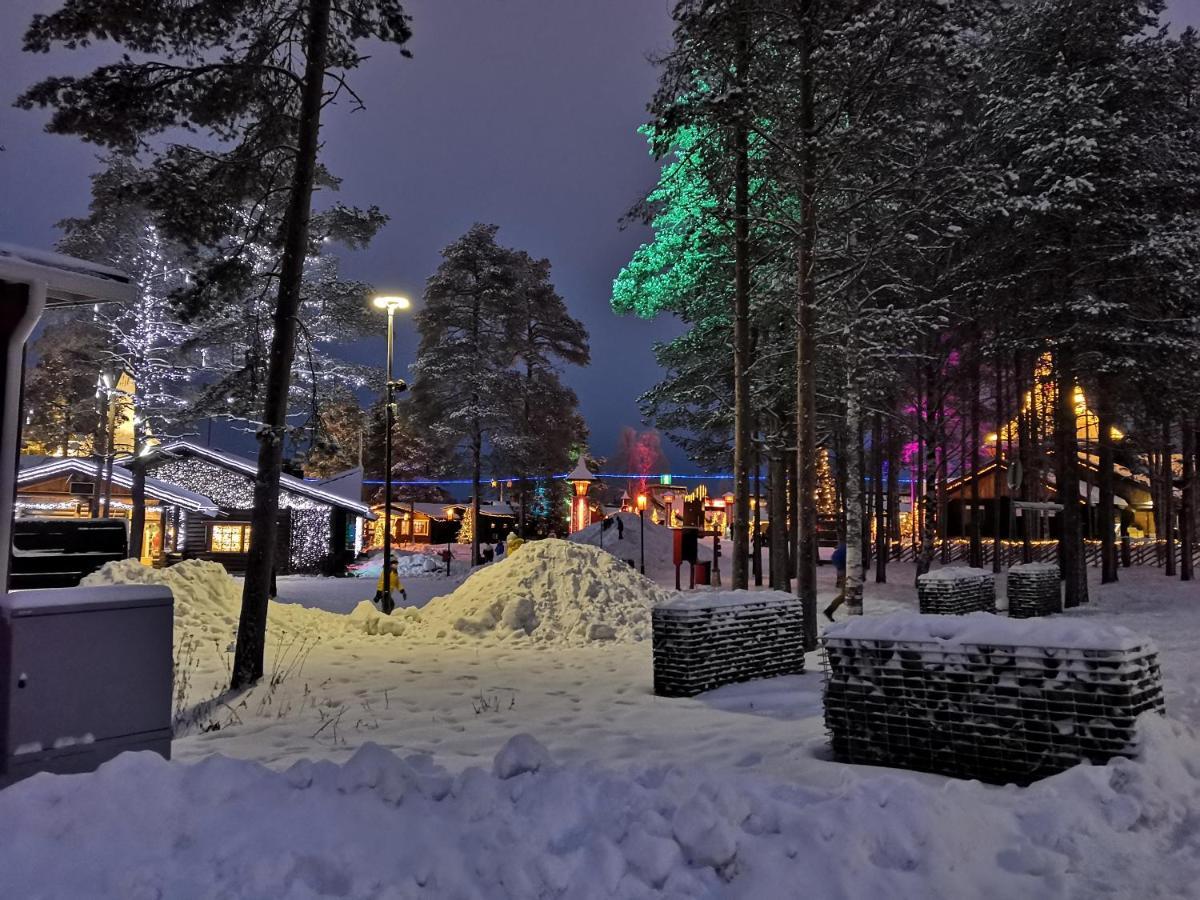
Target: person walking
(397, 587)
(839, 566)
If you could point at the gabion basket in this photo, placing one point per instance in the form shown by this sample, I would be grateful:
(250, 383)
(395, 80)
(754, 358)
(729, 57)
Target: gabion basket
(704, 642)
(956, 591)
(997, 705)
(1034, 590)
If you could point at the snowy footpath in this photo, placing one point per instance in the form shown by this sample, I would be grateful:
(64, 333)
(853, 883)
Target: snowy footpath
(503, 741)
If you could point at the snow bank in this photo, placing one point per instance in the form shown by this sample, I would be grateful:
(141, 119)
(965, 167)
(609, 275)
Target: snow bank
(380, 825)
(552, 591)
(660, 542)
(986, 628)
(408, 565)
(208, 603)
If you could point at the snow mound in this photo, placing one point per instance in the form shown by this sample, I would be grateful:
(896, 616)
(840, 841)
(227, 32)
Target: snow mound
(986, 628)
(408, 565)
(207, 600)
(660, 542)
(236, 829)
(208, 603)
(552, 591)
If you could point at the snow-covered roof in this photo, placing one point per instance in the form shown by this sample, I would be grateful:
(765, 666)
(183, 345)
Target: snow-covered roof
(69, 281)
(348, 484)
(581, 472)
(248, 467)
(38, 468)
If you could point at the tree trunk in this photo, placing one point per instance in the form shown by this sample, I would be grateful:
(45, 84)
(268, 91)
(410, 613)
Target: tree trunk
(1168, 495)
(853, 499)
(1187, 517)
(806, 387)
(778, 514)
(976, 559)
(1108, 544)
(137, 491)
(757, 543)
(998, 475)
(1070, 542)
(742, 448)
(881, 522)
(476, 483)
(264, 523)
(793, 514)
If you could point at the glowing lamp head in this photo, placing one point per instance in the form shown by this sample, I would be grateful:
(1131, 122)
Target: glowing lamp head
(390, 302)
(641, 502)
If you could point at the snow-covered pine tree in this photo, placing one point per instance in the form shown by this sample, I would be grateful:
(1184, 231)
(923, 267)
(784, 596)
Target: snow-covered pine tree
(249, 76)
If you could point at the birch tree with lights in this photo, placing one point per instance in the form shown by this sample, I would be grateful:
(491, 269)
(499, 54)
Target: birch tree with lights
(250, 78)
(145, 339)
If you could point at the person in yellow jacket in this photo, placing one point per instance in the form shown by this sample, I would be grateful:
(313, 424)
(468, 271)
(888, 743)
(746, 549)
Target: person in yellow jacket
(397, 587)
(514, 542)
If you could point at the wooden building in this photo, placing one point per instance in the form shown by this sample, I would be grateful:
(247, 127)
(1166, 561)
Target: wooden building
(320, 523)
(75, 487)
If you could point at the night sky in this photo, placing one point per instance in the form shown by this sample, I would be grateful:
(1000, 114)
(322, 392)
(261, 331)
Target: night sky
(522, 113)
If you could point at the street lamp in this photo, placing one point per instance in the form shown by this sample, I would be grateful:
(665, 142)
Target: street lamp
(641, 505)
(390, 304)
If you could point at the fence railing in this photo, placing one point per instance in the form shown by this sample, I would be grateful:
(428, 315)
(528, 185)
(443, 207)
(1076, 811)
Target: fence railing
(1140, 552)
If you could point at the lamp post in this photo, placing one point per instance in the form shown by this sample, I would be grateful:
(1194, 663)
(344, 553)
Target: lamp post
(641, 505)
(390, 304)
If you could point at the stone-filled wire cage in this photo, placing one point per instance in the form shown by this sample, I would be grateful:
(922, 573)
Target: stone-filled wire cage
(707, 639)
(956, 591)
(1034, 590)
(982, 696)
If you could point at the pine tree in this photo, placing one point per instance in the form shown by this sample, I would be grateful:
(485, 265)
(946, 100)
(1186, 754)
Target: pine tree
(250, 76)
(60, 398)
(464, 360)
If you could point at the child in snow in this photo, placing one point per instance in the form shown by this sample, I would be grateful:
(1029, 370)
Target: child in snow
(839, 565)
(397, 587)
(514, 541)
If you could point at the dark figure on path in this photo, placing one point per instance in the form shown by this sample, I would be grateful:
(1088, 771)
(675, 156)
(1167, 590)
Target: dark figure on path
(620, 529)
(396, 588)
(839, 565)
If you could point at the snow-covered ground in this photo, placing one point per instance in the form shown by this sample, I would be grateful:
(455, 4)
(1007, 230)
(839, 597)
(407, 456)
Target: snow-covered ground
(426, 786)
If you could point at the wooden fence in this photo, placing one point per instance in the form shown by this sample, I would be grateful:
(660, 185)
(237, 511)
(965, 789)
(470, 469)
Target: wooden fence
(1141, 552)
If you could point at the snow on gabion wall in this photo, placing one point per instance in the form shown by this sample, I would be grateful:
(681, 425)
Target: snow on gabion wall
(956, 591)
(704, 640)
(1034, 590)
(981, 696)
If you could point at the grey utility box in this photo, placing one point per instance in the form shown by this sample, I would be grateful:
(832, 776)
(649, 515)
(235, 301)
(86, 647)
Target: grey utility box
(85, 673)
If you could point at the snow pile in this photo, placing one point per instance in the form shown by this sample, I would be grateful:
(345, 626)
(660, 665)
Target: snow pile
(555, 592)
(380, 825)
(985, 628)
(660, 542)
(208, 603)
(408, 565)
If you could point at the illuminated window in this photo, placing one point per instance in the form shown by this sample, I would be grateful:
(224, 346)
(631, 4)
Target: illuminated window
(229, 539)
(420, 526)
